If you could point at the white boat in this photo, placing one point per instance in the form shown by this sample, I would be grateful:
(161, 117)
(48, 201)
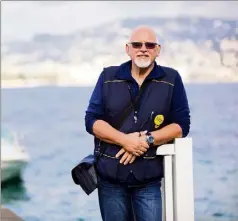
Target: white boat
(14, 157)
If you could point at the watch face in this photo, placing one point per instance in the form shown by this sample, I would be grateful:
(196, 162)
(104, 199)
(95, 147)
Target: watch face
(151, 139)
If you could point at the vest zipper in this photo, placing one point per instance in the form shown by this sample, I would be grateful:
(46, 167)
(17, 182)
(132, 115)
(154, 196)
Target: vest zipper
(136, 112)
(135, 117)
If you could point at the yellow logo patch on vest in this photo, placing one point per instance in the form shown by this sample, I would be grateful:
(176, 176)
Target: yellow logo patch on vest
(159, 119)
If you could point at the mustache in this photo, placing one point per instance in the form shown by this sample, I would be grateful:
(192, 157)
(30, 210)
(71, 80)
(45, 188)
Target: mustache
(140, 55)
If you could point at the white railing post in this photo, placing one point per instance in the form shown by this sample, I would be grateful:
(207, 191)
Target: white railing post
(183, 180)
(177, 184)
(167, 182)
(168, 189)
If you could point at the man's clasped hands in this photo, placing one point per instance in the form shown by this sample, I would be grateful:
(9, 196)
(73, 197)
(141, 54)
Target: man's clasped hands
(133, 145)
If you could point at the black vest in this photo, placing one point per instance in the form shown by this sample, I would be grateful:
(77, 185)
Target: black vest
(153, 114)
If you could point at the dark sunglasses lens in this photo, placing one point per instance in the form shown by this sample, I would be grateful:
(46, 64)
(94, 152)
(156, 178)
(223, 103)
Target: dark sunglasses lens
(150, 45)
(136, 44)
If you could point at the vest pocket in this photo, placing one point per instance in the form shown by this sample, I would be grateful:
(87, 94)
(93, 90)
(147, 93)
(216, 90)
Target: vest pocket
(107, 166)
(154, 168)
(147, 169)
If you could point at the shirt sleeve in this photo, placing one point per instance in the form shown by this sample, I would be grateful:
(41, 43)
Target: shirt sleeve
(95, 110)
(180, 112)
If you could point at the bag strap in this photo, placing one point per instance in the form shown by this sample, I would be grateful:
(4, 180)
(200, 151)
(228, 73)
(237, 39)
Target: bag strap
(133, 105)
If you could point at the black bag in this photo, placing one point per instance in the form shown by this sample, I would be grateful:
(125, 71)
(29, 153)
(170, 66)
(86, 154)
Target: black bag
(85, 174)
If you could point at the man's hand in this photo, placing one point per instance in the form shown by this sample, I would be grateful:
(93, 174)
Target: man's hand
(133, 144)
(143, 136)
(128, 157)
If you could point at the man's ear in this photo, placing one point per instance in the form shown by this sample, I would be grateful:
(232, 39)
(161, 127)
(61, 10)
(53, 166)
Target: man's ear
(127, 49)
(158, 50)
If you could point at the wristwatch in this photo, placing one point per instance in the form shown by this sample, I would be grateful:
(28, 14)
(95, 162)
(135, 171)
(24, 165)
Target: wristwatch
(149, 138)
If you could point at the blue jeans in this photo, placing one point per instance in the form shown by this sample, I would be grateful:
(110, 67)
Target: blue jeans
(120, 202)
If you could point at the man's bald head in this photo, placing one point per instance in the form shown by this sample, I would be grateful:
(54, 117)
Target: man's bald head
(143, 47)
(143, 33)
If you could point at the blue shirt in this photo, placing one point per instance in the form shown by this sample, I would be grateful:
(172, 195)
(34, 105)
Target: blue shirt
(180, 113)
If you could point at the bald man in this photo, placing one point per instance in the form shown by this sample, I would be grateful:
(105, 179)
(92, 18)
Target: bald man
(134, 108)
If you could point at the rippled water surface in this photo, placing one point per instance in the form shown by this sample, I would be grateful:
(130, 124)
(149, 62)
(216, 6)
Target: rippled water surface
(52, 122)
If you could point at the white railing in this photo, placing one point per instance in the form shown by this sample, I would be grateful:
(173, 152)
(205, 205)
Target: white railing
(177, 184)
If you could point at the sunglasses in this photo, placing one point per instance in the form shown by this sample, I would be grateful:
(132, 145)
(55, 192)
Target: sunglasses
(148, 45)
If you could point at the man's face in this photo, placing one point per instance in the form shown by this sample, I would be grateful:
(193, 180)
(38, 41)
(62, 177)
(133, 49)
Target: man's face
(143, 48)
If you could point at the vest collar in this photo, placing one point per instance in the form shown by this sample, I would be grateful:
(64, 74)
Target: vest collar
(124, 72)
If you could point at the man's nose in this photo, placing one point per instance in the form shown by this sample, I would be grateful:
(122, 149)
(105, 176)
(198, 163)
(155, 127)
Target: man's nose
(143, 48)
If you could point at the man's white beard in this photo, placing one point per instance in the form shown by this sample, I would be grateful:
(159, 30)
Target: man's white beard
(142, 63)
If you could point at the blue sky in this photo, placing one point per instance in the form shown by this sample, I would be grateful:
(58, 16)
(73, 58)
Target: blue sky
(22, 20)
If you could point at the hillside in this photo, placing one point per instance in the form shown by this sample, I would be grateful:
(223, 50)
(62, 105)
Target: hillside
(201, 49)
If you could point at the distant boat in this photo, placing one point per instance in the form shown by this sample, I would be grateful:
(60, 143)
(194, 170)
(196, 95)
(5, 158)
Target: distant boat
(14, 157)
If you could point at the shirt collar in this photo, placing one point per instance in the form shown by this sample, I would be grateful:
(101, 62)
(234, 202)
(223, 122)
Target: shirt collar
(124, 72)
